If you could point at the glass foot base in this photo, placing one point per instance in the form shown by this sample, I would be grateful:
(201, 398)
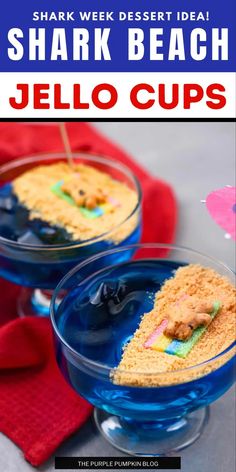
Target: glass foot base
(153, 438)
(34, 302)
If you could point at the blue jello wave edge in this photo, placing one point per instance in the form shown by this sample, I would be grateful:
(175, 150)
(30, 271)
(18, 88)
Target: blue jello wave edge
(16, 225)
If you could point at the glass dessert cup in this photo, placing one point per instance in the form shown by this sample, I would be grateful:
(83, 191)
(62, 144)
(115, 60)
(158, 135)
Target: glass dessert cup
(97, 314)
(39, 268)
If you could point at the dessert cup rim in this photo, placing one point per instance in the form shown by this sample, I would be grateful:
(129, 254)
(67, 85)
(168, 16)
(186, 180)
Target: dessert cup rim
(104, 367)
(93, 157)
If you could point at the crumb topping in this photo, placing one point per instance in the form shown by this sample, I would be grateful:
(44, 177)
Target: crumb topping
(148, 367)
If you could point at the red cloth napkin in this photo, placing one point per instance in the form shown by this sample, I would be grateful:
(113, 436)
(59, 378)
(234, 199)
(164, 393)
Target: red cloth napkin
(38, 410)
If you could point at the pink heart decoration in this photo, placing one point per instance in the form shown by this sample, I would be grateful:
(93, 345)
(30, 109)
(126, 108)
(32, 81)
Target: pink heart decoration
(221, 204)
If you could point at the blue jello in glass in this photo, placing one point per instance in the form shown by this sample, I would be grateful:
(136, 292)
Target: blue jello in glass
(35, 254)
(16, 226)
(98, 313)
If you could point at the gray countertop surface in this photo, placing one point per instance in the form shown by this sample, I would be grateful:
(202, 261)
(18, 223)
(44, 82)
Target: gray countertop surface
(194, 158)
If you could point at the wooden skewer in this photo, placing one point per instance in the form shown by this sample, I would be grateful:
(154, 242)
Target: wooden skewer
(66, 143)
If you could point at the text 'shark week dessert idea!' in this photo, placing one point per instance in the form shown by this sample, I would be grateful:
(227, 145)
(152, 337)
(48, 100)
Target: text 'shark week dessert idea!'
(56, 212)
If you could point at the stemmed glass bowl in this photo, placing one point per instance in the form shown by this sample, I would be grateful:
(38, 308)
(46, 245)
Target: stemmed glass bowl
(101, 303)
(39, 268)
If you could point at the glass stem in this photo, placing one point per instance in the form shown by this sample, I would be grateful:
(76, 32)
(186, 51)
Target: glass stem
(34, 302)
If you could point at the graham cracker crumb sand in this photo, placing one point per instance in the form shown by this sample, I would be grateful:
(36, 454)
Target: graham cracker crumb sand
(33, 188)
(140, 366)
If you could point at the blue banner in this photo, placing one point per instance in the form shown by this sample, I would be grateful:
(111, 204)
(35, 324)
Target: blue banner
(118, 36)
